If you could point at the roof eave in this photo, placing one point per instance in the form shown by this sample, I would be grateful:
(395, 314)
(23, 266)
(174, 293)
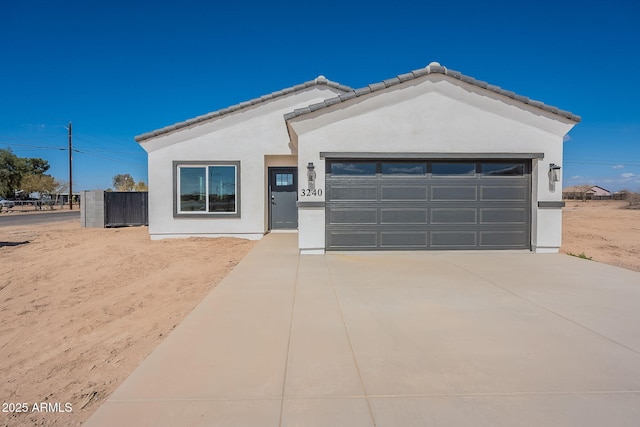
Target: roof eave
(319, 81)
(433, 68)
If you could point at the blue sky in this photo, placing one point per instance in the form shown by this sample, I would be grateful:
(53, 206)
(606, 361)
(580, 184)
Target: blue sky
(117, 69)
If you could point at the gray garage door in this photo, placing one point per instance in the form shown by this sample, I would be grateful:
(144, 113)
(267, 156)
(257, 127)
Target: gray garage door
(386, 205)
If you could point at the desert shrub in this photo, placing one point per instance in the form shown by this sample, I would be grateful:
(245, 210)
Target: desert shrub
(633, 199)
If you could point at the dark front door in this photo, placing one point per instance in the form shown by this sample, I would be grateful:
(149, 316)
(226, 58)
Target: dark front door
(283, 192)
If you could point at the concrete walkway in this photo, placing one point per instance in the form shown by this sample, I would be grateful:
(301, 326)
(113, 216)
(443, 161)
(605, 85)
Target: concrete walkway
(397, 339)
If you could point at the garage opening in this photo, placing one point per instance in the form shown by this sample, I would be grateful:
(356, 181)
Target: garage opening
(428, 204)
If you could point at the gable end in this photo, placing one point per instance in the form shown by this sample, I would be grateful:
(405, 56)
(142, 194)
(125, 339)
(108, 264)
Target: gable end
(433, 68)
(321, 80)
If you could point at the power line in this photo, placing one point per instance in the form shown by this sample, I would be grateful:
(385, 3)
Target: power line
(102, 139)
(31, 138)
(40, 147)
(108, 158)
(101, 150)
(85, 152)
(47, 147)
(79, 139)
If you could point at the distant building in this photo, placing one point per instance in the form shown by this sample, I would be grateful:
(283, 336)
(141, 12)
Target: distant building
(586, 192)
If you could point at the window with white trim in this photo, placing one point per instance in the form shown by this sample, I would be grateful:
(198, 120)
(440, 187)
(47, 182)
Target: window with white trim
(207, 188)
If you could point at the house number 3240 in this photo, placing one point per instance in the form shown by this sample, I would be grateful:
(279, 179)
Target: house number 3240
(305, 192)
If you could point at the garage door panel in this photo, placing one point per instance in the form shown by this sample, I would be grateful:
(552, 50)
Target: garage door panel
(503, 239)
(511, 193)
(453, 239)
(353, 216)
(352, 240)
(504, 215)
(454, 193)
(399, 192)
(356, 192)
(454, 216)
(391, 240)
(403, 215)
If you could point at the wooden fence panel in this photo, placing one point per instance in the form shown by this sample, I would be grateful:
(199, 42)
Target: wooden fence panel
(126, 208)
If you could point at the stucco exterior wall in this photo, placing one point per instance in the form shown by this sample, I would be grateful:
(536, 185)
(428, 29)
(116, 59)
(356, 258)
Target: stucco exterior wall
(247, 136)
(433, 116)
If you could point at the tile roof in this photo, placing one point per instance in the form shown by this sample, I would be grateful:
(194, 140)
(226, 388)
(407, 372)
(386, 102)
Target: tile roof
(349, 93)
(433, 68)
(320, 80)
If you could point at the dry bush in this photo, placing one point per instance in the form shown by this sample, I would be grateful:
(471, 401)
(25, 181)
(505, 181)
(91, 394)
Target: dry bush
(634, 200)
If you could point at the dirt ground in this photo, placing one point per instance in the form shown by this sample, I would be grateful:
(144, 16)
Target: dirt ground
(81, 308)
(604, 231)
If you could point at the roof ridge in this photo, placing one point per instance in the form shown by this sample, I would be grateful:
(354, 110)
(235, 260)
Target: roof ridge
(318, 81)
(432, 68)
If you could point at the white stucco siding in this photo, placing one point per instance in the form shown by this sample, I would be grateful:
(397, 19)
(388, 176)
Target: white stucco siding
(441, 103)
(246, 136)
(433, 117)
(264, 118)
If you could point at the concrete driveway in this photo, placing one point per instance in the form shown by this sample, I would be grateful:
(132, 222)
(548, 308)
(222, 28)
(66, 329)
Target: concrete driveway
(397, 339)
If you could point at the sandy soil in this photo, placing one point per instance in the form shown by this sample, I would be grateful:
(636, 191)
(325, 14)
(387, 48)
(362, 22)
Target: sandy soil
(81, 308)
(603, 230)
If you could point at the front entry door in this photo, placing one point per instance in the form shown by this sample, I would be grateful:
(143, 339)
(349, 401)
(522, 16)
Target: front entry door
(283, 192)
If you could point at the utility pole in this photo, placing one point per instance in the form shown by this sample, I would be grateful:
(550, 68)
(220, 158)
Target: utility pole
(70, 171)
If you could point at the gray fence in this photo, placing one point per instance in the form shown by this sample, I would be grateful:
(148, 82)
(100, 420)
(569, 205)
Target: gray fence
(130, 208)
(114, 209)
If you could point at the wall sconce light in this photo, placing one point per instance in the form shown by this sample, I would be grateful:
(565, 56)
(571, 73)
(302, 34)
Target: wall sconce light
(554, 173)
(311, 176)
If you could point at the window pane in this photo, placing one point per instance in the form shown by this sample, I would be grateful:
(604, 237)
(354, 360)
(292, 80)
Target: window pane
(222, 189)
(404, 168)
(192, 189)
(284, 179)
(453, 168)
(502, 169)
(352, 168)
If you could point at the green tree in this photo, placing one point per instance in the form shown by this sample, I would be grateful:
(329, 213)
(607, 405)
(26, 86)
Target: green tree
(35, 166)
(11, 170)
(123, 182)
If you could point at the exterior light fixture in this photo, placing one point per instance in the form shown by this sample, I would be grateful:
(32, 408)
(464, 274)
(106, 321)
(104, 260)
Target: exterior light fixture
(554, 173)
(311, 176)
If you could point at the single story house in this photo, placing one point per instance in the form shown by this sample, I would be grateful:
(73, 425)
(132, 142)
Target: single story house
(586, 192)
(428, 160)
